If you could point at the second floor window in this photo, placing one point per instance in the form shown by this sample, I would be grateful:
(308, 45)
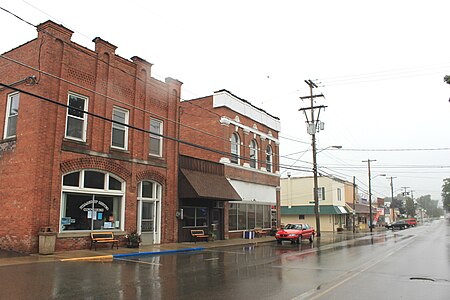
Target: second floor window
(119, 133)
(12, 112)
(339, 194)
(156, 142)
(253, 154)
(235, 147)
(269, 159)
(76, 122)
(321, 193)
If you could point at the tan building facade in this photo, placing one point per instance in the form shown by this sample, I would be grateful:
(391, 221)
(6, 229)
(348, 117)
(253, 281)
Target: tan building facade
(297, 202)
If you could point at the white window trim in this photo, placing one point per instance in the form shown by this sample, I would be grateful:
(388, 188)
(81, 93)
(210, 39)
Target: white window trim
(105, 191)
(256, 152)
(7, 116)
(161, 130)
(270, 160)
(339, 194)
(85, 119)
(157, 201)
(320, 193)
(238, 144)
(127, 116)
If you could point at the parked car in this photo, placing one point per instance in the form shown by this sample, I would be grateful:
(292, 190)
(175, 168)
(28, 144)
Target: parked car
(295, 233)
(411, 222)
(402, 224)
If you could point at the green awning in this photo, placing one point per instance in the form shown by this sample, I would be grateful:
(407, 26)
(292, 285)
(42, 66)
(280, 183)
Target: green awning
(309, 210)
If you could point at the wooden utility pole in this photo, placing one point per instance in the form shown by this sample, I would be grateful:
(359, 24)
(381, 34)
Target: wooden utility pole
(370, 194)
(391, 209)
(313, 127)
(354, 204)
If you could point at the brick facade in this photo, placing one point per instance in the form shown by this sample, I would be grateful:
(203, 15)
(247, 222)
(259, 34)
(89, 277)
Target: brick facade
(33, 162)
(211, 126)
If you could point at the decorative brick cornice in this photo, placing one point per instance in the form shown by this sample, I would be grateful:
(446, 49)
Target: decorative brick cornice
(151, 175)
(98, 163)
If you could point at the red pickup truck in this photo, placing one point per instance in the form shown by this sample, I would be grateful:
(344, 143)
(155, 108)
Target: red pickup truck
(295, 233)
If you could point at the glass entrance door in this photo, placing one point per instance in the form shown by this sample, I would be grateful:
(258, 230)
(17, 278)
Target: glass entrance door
(149, 222)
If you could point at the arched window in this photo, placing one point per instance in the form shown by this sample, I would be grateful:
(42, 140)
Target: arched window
(92, 200)
(269, 158)
(253, 154)
(235, 148)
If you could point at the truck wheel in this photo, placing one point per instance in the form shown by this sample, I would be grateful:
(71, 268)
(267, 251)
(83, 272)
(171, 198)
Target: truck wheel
(279, 242)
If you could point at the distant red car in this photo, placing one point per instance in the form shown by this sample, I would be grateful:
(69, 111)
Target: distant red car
(295, 233)
(411, 222)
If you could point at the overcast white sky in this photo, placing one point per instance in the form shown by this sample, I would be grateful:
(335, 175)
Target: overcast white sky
(381, 62)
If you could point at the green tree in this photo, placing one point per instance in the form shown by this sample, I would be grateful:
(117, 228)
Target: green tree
(410, 207)
(430, 206)
(447, 79)
(446, 193)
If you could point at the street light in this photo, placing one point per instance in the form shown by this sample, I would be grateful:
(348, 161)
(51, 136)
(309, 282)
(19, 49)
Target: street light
(316, 194)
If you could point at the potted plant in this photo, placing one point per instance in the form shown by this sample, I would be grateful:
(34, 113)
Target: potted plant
(133, 240)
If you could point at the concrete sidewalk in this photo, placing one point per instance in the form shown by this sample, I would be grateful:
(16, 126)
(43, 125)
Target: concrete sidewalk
(106, 253)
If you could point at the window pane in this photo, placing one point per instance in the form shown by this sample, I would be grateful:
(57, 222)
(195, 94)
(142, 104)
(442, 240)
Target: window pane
(155, 140)
(72, 179)
(201, 216)
(94, 180)
(259, 216)
(155, 126)
(14, 105)
(76, 102)
(147, 216)
(242, 216)
(114, 184)
(147, 189)
(155, 145)
(188, 216)
(267, 214)
(118, 137)
(251, 216)
(234, 148)
(232, 213)
(103, 213)
(12, 126)
(78, 212)
(253, 153)
(74, 128)
(119, 116)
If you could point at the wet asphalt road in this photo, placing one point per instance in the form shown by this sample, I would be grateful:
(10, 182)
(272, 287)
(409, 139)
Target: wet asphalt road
(407, 264)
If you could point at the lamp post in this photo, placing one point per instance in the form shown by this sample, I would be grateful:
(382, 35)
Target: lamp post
(316, 187)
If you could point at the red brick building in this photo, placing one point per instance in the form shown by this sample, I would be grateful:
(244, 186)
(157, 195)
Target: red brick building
(240, 145)
(63, 167)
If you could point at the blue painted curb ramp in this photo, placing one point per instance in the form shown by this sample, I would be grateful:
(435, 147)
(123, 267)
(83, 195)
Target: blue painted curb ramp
(157, 252)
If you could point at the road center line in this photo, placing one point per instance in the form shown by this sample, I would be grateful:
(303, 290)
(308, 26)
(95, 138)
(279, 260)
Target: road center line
(351, 274)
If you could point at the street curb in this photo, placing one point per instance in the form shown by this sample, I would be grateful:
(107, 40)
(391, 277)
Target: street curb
(156, 252)
(100, 257)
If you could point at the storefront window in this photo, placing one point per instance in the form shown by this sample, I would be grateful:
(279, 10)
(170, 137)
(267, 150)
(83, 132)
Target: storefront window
(259, 216)
(195, 216)
(83, 209)
(232, 215)
(249, 216)
(242, 216)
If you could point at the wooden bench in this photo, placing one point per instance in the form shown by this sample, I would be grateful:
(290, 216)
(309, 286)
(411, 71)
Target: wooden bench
(260, 233)
(199, 234)
(103, 237)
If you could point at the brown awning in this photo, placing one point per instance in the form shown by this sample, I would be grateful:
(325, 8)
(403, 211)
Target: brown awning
(195, 184)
